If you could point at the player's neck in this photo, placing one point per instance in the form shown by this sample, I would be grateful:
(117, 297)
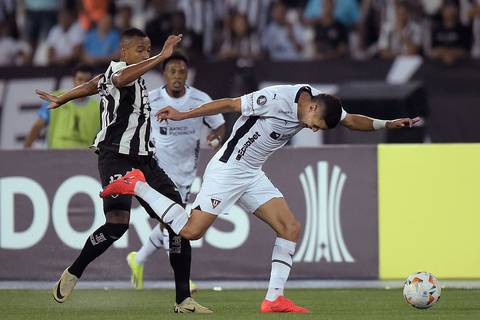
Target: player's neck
(302, 105)
(176, 94)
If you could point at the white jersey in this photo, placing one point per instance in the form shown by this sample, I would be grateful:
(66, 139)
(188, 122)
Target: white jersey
(269, 119)
(178, 142)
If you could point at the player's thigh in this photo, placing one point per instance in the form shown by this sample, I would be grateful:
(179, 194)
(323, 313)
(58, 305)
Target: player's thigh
(111, 166)
(268, 204)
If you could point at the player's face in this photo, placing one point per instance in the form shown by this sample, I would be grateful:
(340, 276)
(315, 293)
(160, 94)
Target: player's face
(313, 119)
(175, 74)
(136, 50)
(81, 77)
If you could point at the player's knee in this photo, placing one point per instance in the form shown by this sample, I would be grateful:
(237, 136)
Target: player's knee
(116, 230)
(292, 230)
(190, 233)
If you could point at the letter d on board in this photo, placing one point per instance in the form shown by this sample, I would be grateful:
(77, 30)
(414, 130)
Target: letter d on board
(9, 238)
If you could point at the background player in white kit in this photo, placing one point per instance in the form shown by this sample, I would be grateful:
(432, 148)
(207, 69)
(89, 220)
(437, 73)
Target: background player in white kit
(177, 147)
(270, 117)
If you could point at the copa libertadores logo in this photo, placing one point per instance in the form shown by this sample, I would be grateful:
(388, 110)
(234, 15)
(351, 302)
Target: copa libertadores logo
(322, 233)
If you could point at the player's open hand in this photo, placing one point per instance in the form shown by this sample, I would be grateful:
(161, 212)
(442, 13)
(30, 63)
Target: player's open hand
(402, 123)
(169, 113)
(170, 44)
(55, 102)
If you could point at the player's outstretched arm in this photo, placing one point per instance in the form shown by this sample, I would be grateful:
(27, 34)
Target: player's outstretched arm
(206, 109)
(85, 89)
(134, 71)
(363, 123)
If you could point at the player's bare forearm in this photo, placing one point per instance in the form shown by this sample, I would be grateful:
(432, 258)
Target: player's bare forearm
(220, 132)
(134, 71)
(84, 90)
(215, 107)
(359, 122)
(206, 109)
(34, 133)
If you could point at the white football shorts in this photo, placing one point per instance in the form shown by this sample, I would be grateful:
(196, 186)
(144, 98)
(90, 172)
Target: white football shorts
(223, 187)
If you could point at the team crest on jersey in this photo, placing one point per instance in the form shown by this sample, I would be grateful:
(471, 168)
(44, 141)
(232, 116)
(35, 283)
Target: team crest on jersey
(215, 202)
(261, 100)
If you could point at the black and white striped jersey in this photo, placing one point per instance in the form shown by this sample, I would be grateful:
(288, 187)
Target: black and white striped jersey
(125, 115)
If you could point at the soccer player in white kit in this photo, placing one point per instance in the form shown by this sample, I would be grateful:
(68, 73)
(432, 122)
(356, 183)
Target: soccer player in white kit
(270, 117)
(177, 146)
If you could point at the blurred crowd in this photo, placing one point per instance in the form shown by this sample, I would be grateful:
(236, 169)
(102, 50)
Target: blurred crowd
(65, 32)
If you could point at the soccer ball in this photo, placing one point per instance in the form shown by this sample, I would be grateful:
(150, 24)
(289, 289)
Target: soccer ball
(421, 290)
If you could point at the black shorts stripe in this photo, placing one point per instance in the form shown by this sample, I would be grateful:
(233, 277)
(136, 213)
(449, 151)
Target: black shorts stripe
(242, 131)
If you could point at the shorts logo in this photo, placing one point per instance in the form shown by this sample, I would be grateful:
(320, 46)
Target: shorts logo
(215, 202)
(261, 100)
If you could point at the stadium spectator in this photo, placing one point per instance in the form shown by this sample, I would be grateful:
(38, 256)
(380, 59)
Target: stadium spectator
(402, 37)
(158, 26)
(93, 11)
(346, 12)
(282, 39)
(330, 35)
(101, 44)
(65, 40)
(450, 39)
(192, 42)
(256, 11)
(240, 41)
(124, 17)
(200, 17)
(40, 17)
(8, 13)
(12, 51)
(74, 125)
(473, 17)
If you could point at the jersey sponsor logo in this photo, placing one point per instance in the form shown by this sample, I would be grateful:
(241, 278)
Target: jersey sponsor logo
(247, 144)
(215, 202)
(177, 131)
(275, 135)
(261, 100)
(323, 238)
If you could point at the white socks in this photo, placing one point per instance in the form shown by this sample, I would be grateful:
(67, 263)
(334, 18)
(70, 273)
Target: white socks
(158, 239)
(282, 259)
(169, 212)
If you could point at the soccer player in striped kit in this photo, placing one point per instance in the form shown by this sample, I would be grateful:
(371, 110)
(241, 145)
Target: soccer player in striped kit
(123, 144)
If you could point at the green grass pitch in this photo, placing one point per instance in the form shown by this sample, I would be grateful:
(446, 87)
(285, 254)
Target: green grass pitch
(325, 304)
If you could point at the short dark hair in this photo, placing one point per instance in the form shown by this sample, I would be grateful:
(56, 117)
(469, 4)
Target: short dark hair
(133, 32)
(333, 109)
(175, 56)
(82, 68)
